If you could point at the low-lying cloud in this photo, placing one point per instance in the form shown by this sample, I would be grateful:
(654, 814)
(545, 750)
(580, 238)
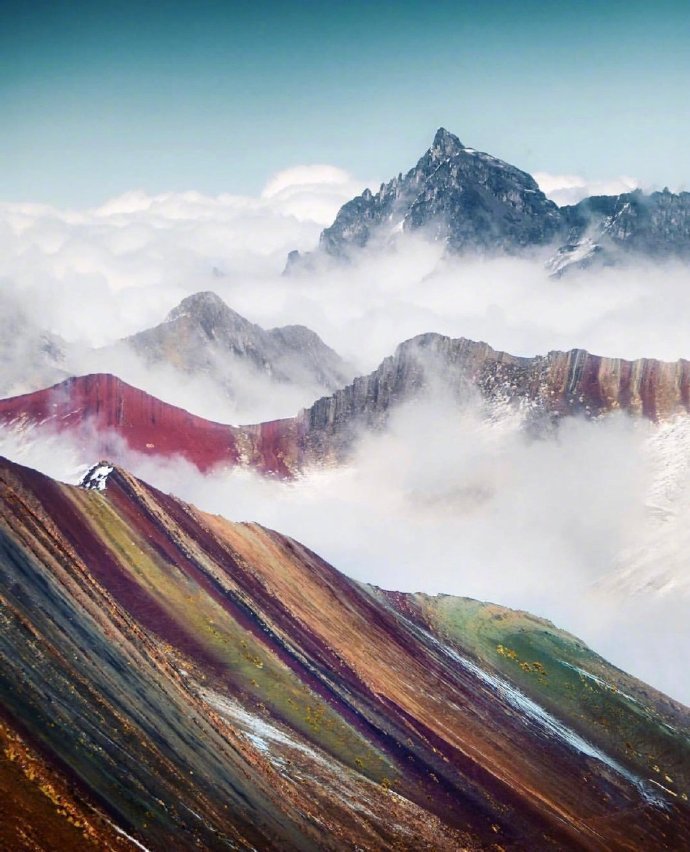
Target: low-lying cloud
(96, 276)
(580, 527)
(577, 526)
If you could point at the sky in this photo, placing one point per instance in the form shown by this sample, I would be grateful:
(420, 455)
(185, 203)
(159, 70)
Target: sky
(98, 98)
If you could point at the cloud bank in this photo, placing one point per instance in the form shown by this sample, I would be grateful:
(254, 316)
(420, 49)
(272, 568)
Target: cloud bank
(569, 189)
(97, 275)
(585, 528)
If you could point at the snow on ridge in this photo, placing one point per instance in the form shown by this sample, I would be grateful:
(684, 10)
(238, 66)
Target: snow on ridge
(96, 478)
(533, 713)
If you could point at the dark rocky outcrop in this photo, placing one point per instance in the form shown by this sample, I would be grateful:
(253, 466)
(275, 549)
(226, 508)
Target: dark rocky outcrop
(545, 388)
(473, 202)
(604, 230)
(468, 199)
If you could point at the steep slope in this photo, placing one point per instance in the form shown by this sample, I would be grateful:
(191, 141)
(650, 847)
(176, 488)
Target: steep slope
(109, 417)
(544, 388)
(466, 198)
(192, 682)
(473, 202)
(203, 336)
(103, 412)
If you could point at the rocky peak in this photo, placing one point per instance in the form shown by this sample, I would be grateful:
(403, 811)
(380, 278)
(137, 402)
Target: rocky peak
(203, 335)
(445, 145)
(473, 202)
(198, 304)
(466, 199)
(96, 477)
(210, 312)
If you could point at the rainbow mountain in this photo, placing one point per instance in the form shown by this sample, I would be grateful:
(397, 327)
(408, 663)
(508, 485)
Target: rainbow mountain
(109, 417)
(172, 680)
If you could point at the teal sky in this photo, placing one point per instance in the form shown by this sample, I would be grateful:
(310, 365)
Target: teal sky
(100, 97)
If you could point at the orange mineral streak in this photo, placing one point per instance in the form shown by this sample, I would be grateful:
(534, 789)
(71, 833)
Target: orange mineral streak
(654, 389)
(245, 689)
(41, 809)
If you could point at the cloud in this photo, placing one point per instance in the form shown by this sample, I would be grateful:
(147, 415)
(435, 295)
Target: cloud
(446, 500)
(98, 275)
(569, 189)
(450, 500)
(313, 192)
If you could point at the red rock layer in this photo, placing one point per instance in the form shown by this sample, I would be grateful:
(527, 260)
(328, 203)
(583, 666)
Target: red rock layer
(100, 410)
(202, 684)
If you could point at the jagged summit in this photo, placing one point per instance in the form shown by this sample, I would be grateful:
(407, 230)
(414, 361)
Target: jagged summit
(473, 202)
(464, 198)
(445, 144)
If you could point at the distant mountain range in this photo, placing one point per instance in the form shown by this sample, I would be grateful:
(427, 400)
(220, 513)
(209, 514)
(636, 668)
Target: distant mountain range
(101, 410)
(171, 680)
(202, 338)
(475, 203)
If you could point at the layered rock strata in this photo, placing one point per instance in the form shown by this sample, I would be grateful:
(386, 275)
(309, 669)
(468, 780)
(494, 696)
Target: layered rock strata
(172, 680)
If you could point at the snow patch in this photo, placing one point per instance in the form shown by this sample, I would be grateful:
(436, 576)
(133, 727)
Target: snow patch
(96, 478)
(533, 713)
(128, 836)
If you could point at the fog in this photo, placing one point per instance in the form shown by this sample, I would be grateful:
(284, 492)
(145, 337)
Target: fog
(586, 527)
(95, 276)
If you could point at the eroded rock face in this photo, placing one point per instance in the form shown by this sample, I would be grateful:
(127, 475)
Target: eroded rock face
(102, 411)
(473, 202)
(196, 683)
(468, 199)
(545, 387)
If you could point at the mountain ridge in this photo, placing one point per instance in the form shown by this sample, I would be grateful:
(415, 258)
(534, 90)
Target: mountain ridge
(473, 202)
(543, 389)
(232, 687)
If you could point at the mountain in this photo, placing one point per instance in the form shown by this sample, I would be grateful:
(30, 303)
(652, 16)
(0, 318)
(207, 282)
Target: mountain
(202, 351)
(171, 680)
(31, 356)
(203, 336)
(102, 412)
(106, 416)
(473, 202)
(468, 199)
(602, 230)
(544, 388)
